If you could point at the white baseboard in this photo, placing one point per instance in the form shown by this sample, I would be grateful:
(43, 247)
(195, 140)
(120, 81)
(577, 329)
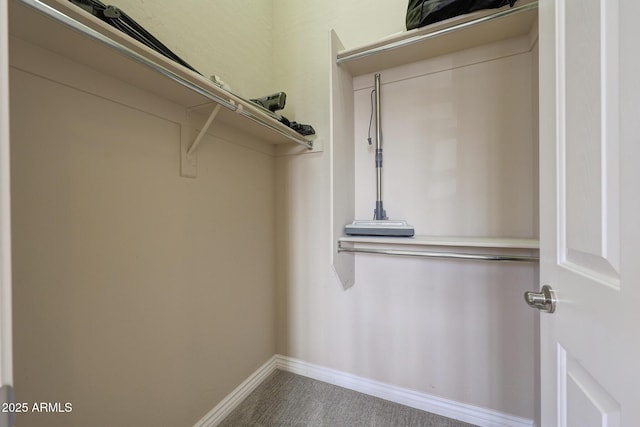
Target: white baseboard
(436, 405)
(229, 403)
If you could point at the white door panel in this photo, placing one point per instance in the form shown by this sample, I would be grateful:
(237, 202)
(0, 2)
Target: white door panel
(588, 137)
(588, 237)
(584, 402)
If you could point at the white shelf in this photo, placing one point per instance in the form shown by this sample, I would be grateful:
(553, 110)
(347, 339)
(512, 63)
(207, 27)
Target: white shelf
(451, 35)
(444, 247)
(66, 29)
(446, 241)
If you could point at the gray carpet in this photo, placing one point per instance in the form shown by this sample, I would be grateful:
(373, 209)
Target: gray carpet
(286, 399)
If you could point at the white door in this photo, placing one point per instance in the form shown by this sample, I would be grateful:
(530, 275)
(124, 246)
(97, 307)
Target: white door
(6, 370)
(590, 211)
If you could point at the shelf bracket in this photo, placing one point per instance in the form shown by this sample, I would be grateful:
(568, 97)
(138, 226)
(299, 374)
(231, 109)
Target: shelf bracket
(188, 158)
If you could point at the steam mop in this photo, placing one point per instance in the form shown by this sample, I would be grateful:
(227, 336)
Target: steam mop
(381, 225)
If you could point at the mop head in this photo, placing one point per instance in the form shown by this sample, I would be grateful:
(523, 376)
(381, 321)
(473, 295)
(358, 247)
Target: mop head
(382, 227)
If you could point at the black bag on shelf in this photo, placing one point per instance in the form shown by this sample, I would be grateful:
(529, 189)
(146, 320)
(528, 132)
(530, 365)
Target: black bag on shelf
(123, 22)
(425, 12)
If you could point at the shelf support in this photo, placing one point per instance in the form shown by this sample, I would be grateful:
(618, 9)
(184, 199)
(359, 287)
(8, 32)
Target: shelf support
(204, 129)
(188, 158)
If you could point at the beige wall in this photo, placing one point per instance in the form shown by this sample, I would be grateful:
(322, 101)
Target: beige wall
(301, 33)
(141, 297)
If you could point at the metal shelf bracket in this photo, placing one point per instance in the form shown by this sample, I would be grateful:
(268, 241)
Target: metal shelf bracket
(188, 157)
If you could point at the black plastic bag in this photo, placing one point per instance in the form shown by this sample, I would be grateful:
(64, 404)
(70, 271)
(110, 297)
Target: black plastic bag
(123, 22)
(425, 12)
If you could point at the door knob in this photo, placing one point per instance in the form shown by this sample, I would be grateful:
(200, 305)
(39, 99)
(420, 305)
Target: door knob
(544, 301)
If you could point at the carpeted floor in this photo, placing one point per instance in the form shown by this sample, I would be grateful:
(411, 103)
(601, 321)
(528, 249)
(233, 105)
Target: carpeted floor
(286, 399)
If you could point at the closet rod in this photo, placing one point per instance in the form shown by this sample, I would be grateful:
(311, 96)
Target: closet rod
(444, 255)
(71, 23)
(416, 39)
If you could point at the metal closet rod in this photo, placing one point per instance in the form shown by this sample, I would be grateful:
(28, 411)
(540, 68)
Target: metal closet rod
(101, 38)
(417, 39)
(441, 255)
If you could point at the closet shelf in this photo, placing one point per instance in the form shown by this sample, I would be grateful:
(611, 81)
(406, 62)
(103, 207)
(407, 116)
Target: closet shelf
(455, 241)
(445, 247)
(62, 27)
(451, 35)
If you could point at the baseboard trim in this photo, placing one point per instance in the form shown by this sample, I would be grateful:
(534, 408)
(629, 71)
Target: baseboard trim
(436, 405)
(229, 403)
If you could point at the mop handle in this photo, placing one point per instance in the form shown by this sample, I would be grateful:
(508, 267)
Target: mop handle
(379, 212)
